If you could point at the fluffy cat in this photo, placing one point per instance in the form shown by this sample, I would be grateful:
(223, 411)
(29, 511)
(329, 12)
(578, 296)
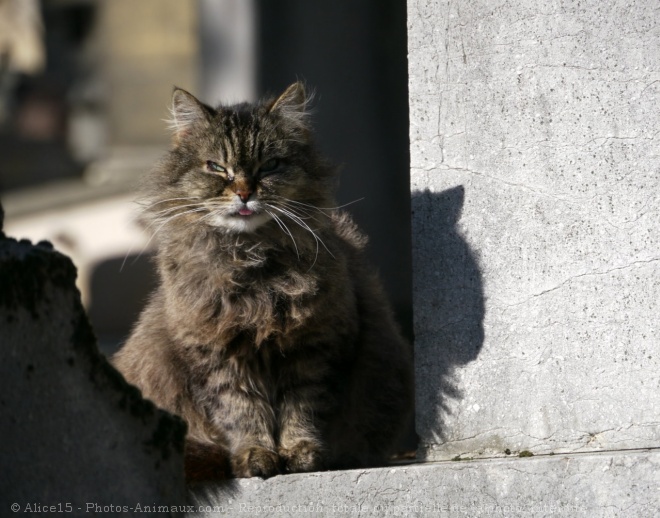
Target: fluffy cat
(268, 334)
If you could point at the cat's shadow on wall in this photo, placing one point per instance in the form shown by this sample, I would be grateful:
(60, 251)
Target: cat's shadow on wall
(448, 307)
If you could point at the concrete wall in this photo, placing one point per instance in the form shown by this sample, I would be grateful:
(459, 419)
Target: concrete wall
(536, 227)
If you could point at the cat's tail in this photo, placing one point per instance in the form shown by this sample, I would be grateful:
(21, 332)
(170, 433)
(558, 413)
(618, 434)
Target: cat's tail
(205, 461)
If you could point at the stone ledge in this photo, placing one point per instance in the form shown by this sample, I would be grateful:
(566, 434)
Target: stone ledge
(592, 484)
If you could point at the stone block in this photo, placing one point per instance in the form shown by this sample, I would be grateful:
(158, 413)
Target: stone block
(604, 485)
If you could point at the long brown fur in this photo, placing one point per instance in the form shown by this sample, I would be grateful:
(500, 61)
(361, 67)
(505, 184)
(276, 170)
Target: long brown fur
(268, 333)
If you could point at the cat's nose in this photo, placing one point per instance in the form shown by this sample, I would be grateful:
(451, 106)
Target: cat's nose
(244, 194)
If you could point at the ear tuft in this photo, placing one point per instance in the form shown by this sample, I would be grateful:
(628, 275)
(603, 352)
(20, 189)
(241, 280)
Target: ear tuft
(186, 111)
(292, 104)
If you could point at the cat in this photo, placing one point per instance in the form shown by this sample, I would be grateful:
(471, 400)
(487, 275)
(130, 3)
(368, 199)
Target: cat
(269, 334)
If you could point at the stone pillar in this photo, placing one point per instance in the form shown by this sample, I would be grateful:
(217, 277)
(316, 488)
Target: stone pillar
(146, 48)
(536, 227)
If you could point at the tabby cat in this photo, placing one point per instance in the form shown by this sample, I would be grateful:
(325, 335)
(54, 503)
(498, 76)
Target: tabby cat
(268, 333)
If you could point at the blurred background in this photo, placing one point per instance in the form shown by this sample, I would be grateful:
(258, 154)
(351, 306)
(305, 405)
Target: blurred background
(85, 86)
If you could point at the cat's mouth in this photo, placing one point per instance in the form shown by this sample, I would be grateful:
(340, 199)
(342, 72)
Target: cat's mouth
(242, 218)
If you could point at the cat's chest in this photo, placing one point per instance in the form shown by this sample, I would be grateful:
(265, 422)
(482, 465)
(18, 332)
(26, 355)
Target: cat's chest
(275, 291)
(271, 299)
(239, 365)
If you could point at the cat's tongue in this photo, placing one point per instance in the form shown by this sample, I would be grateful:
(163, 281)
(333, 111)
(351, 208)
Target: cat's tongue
(245, 212)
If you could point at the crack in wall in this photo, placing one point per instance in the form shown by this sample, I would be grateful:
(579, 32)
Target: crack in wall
(567, 281)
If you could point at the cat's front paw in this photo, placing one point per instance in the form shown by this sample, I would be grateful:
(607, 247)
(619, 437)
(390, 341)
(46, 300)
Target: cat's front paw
(255, 462)
(303, 456)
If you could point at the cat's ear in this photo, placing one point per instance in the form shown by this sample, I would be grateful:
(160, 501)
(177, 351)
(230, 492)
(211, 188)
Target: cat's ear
(186, 111)
(292, 104)
(293, 98)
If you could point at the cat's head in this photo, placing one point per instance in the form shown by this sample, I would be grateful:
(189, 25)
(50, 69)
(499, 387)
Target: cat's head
(237, 168)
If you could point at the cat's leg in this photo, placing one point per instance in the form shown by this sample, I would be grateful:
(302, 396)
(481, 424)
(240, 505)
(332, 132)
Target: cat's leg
(305, 402)
(247, 421)
(300, 447)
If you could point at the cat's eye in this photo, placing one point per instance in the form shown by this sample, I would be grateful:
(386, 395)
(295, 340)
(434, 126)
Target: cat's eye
(214, 167)
(269, 166)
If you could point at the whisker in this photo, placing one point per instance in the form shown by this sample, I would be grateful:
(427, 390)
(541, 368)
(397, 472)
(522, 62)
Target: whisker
(305, 226)
(148, 206)
(298, 211)
(167, 212)
(343, 205)
(320, 209)
(162, 224)
(285, 229)
(211, 213)
(172, 209)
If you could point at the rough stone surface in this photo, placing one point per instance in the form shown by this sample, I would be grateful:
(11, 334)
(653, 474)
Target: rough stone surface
(603, 485)
(536, 227)
(74, 434)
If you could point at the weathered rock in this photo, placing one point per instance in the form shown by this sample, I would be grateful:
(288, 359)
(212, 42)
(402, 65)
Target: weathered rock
(75, 435)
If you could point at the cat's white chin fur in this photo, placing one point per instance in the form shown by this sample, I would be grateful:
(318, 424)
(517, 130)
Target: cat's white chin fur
(238, 223)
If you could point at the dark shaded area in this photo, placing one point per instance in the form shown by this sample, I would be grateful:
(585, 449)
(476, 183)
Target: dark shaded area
(449, 291)
(354, 55)
(120, 288)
